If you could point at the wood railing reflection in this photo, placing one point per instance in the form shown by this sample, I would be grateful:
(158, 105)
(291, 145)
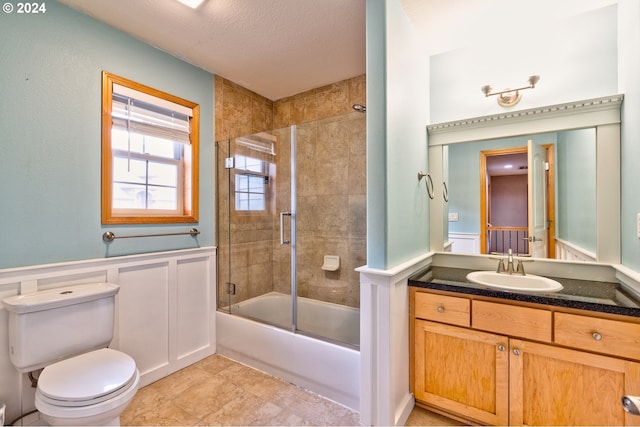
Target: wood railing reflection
(501, 239)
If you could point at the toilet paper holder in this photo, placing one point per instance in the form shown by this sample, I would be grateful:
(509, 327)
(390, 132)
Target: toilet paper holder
(331, 263)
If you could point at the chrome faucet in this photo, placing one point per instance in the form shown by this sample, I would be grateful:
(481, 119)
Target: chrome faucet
(510, 268)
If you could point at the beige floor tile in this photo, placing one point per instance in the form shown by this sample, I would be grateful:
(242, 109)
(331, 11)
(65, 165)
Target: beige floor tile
(162, 415)
(219, 391)
(243, 411)
(203, 398)
(423, 417)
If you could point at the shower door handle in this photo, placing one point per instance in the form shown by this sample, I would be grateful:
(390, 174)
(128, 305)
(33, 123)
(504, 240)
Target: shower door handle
(282, 215)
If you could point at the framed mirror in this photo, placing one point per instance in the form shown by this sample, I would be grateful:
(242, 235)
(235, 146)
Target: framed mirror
(560, 198)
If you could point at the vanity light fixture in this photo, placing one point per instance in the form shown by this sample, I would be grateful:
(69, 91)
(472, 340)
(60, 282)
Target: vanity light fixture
(510, 97)
(193, 4)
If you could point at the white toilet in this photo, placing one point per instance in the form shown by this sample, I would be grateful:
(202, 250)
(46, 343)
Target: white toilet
(66, 332)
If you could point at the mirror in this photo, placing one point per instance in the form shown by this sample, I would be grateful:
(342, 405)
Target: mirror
(489, 185)
(573, 166)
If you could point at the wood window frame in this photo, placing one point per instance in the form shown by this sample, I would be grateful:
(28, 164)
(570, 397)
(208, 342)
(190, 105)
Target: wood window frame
(190, 190)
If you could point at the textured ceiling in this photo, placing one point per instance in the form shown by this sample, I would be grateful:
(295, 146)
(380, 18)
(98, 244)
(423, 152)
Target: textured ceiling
(278, 48)
(275, 48)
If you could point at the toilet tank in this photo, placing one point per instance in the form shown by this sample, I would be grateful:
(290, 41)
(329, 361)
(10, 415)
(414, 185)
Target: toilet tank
(55, 324)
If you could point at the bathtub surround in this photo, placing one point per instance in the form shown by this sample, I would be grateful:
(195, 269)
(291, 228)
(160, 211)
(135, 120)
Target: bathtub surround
(330, 144)
(331, 185)
(239, 111)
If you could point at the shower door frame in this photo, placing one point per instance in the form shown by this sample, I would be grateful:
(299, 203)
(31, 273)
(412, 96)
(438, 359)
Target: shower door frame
(294, 211)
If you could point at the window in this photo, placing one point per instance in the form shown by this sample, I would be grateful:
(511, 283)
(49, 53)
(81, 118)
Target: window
(251, 181)
(149, 155)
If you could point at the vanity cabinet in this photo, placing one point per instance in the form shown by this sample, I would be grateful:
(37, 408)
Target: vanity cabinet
(501, 363)
(462, 371)
(551, 385)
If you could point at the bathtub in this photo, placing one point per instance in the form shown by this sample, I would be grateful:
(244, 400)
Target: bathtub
(326, 368)
(336, 322)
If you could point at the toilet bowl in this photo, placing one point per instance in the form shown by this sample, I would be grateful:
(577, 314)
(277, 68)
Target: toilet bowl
(91, 389)
(66, 332)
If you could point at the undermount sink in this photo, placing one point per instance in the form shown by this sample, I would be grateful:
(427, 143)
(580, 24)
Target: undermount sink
(514, 282)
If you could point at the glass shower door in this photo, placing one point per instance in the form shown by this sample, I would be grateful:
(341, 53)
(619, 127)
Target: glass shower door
(253, 267)
(291, 202)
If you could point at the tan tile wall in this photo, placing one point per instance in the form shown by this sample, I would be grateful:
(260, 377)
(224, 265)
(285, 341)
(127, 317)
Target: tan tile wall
(239, 111)
(327, 101)
(331, 191)
(331, 203)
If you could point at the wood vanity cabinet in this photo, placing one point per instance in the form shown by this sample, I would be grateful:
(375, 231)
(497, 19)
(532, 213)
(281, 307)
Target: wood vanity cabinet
(500, 363)
(462, 371)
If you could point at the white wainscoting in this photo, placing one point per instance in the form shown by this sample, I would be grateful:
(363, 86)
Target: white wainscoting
(464, 243)
(385, 399)
(569, 252)
(165, 319)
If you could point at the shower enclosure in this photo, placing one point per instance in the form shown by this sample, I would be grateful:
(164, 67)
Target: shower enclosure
(286, 199)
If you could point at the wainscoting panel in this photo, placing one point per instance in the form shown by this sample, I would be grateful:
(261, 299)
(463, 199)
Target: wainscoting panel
(195, 306)
(165, 311)
(143, 315)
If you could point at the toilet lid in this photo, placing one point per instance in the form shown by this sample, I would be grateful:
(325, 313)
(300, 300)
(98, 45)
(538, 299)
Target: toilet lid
(87, 376)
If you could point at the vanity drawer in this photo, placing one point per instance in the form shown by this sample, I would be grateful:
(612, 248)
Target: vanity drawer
(598, 335)
(441, 308)
(525, 322)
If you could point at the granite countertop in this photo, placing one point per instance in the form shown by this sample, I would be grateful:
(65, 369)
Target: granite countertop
(605, 297)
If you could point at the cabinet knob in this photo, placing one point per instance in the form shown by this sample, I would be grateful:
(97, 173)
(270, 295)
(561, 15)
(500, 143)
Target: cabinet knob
(501, 347)
(596, 336)
(516, 352)
(440, 309)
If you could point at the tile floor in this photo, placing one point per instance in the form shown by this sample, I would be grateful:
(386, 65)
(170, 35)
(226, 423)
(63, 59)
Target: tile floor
(219, 391)
(422, 417)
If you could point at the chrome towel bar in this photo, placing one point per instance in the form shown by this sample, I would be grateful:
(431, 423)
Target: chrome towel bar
(109, 236)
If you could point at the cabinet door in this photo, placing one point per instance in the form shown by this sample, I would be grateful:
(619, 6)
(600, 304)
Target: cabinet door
(462, 371)
(557, 386)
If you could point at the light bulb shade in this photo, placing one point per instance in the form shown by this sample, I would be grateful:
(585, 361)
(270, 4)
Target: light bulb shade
(533, 80)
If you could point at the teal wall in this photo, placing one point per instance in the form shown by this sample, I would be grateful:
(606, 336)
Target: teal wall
(576, 188)
(50, 107)
(397, 113)
(376, 132)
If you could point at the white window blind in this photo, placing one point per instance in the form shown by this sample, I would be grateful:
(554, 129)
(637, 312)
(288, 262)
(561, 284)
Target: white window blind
(137, 112)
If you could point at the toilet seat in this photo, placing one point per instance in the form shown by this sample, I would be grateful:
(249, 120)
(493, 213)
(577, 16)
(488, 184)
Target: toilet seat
(92, 384)
(96, 414)
(87, 379)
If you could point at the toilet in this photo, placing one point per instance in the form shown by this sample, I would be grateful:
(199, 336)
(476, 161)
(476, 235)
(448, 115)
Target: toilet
(67, 331)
